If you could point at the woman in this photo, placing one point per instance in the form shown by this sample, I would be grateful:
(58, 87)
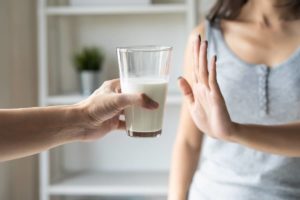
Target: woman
(28, 131)
(257, 43)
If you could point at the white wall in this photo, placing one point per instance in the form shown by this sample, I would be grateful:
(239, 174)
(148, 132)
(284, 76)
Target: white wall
(18, 88)
(5, 97)
(5, 181)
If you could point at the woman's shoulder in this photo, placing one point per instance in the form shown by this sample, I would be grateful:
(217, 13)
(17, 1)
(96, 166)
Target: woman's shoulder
(204, 28)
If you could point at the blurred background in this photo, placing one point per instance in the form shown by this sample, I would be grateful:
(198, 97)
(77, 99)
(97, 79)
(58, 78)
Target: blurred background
(45, 48)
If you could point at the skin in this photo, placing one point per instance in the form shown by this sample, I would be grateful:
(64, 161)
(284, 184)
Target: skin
(204, 110)
(188, 141)
(28, 131)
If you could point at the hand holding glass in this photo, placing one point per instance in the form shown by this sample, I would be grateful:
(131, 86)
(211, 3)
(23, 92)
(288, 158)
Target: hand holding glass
(145, 69)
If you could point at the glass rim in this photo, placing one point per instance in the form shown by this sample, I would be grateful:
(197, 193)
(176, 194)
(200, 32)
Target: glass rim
(144, 48)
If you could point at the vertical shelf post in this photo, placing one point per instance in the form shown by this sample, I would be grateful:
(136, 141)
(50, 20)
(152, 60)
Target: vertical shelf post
(43, 92)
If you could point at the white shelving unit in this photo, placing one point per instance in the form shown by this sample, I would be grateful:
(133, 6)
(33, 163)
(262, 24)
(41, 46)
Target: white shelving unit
(113, 184)
(113, 10)
(74, 98)
(101, 182)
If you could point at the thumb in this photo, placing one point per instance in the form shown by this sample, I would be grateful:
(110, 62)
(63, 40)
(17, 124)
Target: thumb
(125, 100)
(186, 89)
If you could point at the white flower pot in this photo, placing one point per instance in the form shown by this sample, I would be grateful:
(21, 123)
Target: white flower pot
(89, 81)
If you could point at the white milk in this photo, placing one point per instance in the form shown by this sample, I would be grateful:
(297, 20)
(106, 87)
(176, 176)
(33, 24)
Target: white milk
(143, 121)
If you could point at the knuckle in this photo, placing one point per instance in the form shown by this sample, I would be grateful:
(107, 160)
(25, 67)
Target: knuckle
(120, 99)
(107, 83)
(116, 104)
(141, 97)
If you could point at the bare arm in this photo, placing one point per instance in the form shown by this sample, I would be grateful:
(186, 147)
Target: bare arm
(185, 157)
(215, 120)
(187, 146)
(28, 131)
(278, 139)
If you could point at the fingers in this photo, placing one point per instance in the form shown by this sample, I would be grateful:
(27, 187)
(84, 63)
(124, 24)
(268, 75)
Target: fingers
(112, 85)
(118, 89)
(146, 102)
(213, 84)
(121, 125)
(115, 85)
(186, 89)
(196, 49)
(203, 71)
(114, 82)
(200, 61)
(125, 100)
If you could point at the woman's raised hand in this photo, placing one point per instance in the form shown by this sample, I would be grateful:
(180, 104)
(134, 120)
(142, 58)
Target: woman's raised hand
(205, 101)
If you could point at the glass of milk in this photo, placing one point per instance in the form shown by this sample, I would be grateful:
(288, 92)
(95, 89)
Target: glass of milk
(145, 69)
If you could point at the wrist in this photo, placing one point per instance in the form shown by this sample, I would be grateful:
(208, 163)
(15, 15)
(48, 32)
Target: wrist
(235, 132)
(79, 121)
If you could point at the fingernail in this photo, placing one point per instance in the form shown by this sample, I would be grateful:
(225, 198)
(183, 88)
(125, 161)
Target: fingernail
(196, 38)
(153, 104)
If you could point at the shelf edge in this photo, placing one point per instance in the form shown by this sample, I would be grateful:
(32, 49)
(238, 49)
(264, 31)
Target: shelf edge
(154, 9)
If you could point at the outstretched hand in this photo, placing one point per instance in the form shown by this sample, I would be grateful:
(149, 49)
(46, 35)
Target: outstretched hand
(105, 106)
(205, 101)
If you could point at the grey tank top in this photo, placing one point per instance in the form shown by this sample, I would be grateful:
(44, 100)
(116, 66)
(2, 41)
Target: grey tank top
(254, 94)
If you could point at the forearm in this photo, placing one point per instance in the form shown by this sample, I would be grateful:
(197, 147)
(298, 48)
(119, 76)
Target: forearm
(276, 139)
(31, 130)
(184, 164)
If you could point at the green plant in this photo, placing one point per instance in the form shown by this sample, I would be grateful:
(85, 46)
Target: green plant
(89, 58)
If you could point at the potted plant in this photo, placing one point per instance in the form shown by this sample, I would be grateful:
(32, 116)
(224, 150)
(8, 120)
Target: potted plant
(88, 63)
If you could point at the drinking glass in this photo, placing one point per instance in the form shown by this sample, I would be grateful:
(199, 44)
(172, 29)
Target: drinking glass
(145, 69)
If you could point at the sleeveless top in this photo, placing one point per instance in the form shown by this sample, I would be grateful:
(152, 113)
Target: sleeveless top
(254, 94)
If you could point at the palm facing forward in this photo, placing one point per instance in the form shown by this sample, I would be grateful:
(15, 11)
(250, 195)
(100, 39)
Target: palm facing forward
(205, 101)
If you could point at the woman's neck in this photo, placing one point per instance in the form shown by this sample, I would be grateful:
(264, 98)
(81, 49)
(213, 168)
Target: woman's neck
(267, 13)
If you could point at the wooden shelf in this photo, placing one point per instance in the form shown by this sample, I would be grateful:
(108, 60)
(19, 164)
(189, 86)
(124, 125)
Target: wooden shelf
(172, 99)
(113, 184)
(115, 10)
